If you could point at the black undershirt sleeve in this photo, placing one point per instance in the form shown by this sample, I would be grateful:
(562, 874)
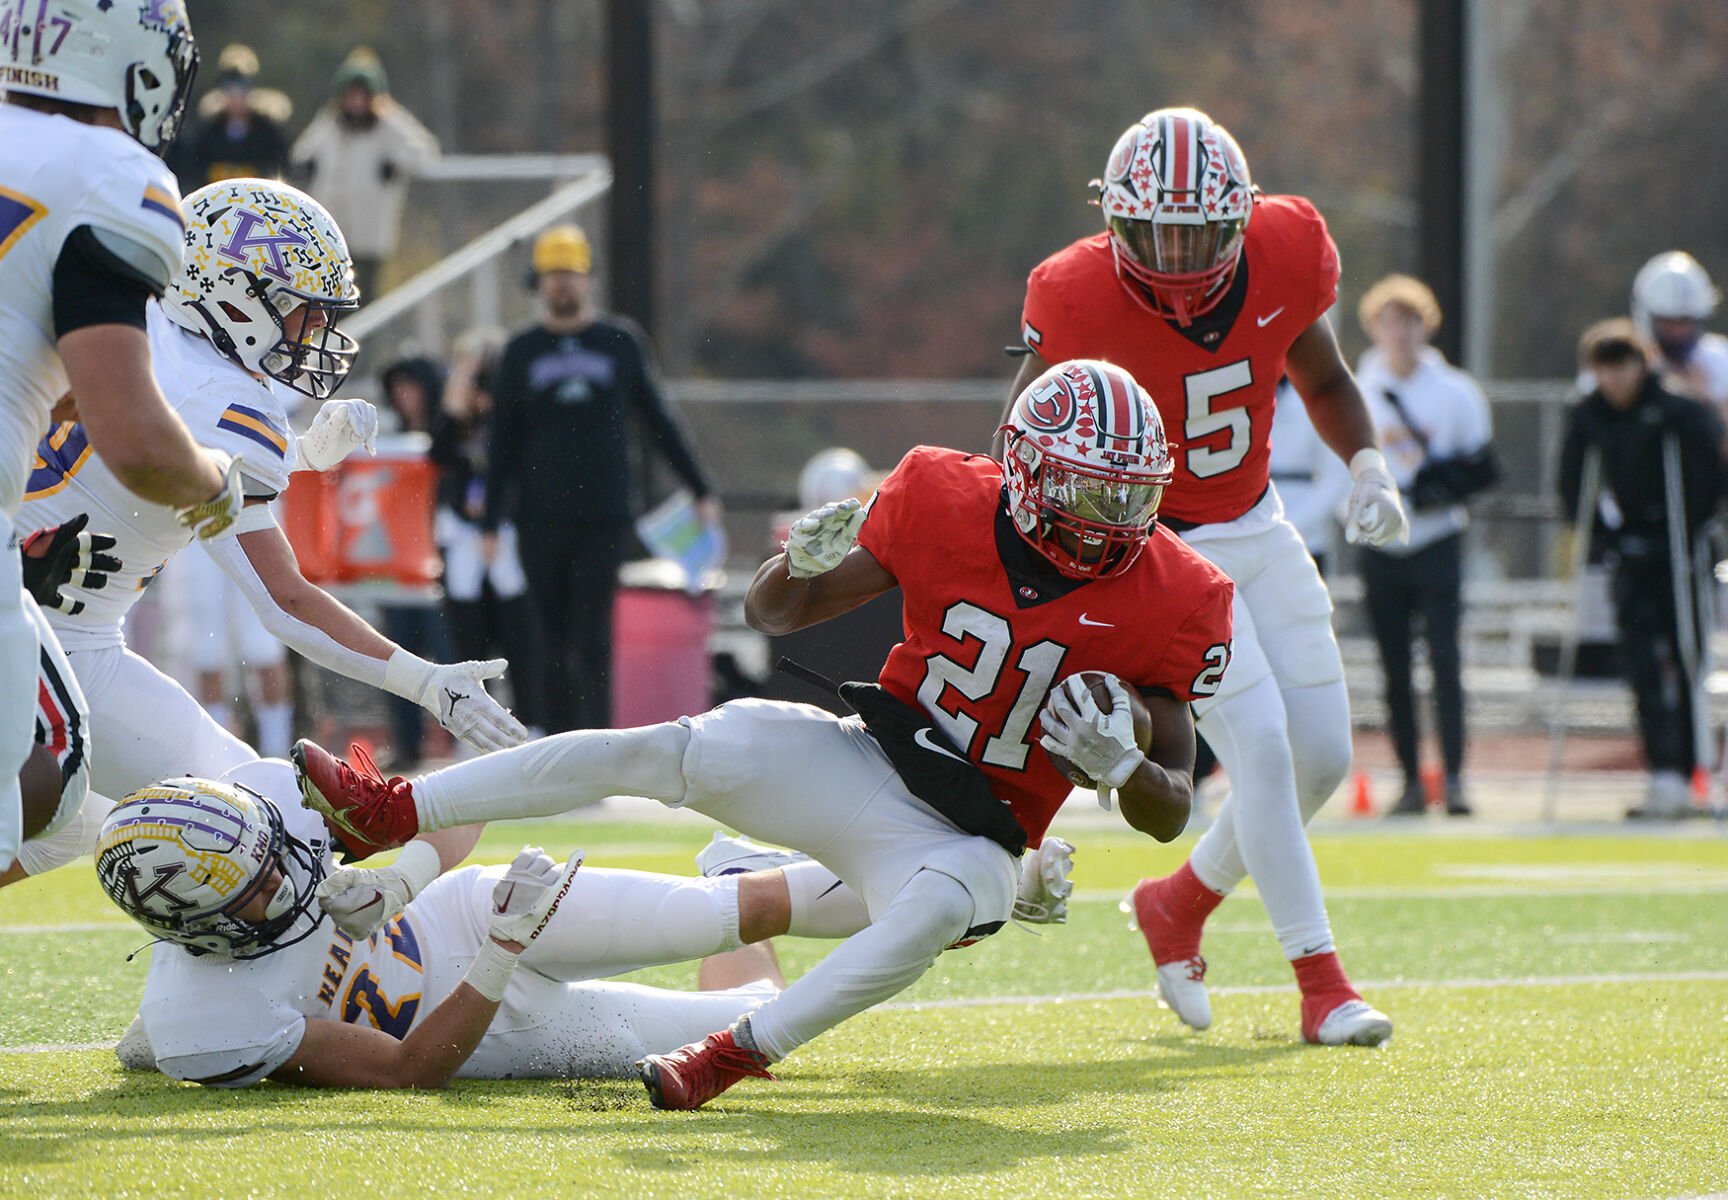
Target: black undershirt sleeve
(94, 287)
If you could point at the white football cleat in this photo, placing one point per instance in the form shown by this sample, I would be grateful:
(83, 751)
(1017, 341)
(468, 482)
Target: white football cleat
(735, 855)
(1182, 989)
(1353, 1023)
(1042, 898)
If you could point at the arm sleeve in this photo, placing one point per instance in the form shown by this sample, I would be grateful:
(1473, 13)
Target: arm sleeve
(1199, 649)
(504, 437)
(308, 641)
(228, 1036)
(661, 423)
(102, 279)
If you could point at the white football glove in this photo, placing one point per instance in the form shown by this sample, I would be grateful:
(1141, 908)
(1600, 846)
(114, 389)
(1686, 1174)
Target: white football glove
(1374, 513)
(525, 899)
(1044, 889)
(361, 899)
(820, 540)
(455, 693)
(213, 518)
(340, 428)
(1101, 744)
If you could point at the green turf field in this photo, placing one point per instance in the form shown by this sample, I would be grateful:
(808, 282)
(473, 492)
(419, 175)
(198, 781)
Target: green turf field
(1562, 1030)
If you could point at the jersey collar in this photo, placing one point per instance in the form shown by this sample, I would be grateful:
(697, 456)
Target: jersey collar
(1031, 578)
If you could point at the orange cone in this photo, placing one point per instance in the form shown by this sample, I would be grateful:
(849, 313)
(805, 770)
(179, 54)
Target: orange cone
(1361, 800)
(1431, 787)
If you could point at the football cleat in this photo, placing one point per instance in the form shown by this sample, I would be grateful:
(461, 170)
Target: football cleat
(1326, 1021)
(1175, 947)
(737, 856)
(692, 1075)
(366, 812)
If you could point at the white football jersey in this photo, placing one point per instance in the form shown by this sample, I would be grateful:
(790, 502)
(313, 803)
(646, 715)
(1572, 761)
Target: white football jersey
(231, 1023)
(224, 405)
(59, 175)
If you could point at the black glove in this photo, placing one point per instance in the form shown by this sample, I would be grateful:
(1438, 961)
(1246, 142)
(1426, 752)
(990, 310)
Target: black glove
(66, 556)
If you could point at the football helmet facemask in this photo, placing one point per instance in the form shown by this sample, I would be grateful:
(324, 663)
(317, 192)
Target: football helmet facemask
(184, 856)
(1176, 198)
(1086, 464)
(256, 250)
(137, 57)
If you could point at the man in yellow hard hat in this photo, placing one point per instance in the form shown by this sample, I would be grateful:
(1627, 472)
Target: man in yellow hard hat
(565, 395)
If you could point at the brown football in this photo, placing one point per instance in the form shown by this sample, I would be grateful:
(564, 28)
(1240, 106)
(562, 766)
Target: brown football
(1142, 725)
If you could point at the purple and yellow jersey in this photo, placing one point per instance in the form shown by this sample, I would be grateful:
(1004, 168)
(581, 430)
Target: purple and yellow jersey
(225, 407)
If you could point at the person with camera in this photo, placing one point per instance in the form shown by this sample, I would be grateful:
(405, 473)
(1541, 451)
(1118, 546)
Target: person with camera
(1435, 429)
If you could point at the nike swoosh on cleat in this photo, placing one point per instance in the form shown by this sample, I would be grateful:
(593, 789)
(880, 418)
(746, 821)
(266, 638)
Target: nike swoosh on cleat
(1268, 318)
(923, 738)
(1084, 620)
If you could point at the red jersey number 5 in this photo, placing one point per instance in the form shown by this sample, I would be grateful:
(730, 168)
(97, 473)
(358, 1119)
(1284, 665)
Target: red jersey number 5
(1203, 420)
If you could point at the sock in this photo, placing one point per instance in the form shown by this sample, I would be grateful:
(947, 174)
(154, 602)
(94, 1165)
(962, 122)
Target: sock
(222, 713)
(275, 729)
(822, 906)
(1322, 975)
(1189, 894)
(741, 1034)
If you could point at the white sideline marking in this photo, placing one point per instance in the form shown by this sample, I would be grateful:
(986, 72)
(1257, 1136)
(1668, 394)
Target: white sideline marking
(1257, 989)
(1267, 989)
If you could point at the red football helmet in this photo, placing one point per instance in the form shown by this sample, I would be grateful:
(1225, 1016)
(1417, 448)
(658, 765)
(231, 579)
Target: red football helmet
(1086, 464)
(1176, 198)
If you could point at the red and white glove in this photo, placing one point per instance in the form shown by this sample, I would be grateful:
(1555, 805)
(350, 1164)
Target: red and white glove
(523, 904)
(1374, 513)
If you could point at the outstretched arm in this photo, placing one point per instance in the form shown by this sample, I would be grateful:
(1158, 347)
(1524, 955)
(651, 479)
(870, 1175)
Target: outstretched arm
(783, 599)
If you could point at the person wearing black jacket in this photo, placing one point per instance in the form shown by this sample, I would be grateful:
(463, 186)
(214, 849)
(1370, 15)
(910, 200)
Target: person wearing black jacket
(1639, 432)
(567, 392)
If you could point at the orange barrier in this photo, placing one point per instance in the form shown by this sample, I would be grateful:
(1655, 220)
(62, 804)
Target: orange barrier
(368, 518)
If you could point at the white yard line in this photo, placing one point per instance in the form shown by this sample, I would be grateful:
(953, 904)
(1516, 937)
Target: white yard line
(1260, 989)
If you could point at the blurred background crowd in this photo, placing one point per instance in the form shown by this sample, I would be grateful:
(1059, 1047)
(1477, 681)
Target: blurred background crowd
(847, 202)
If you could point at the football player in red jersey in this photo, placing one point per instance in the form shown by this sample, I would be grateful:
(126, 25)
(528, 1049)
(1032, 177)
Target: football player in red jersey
(1207, 292)
(1013, 579)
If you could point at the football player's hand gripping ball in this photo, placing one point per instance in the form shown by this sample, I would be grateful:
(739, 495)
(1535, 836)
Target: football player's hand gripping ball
(1374, 513)
(1099, 743)
(820, 540)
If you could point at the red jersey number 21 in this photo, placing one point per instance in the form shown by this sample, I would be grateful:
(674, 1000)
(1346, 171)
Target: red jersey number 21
(1038, 663)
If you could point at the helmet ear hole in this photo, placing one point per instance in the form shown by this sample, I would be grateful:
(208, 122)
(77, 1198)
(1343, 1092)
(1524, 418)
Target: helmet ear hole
(237, 315)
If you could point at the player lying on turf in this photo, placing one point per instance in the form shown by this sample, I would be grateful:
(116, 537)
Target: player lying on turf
(1012, 580)
(273, 964)
(247, 327)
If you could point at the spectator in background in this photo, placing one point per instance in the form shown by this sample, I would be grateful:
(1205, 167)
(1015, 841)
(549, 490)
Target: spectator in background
(1642, 433)
(1434, 426)
(413, 392)
(241, 130)
(485, 595)
(1311, 480)
(357, 157)
(1672, 297)
(566, 392)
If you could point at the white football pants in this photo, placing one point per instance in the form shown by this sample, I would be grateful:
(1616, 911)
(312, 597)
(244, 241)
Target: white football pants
(17, 693)
(791, 774)
(1280, 725)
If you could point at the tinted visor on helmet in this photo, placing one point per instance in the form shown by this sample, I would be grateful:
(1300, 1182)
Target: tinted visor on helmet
(1166, 248)
(1113, 500)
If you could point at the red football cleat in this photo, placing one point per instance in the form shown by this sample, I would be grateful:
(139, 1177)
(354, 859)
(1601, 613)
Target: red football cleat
(366, 812)
(1172, 931)
(692, 1075)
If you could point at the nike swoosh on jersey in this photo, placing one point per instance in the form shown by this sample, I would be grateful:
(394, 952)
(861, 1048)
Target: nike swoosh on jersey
(923, 738)
(1084, 620)
(1268, 318)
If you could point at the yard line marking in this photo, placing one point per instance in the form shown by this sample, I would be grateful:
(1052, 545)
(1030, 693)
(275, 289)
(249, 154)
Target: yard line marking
(1257, 989)
(1267, 989)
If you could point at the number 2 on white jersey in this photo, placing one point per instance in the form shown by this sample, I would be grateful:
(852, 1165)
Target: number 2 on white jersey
(1203, 388)
(1039, 662)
